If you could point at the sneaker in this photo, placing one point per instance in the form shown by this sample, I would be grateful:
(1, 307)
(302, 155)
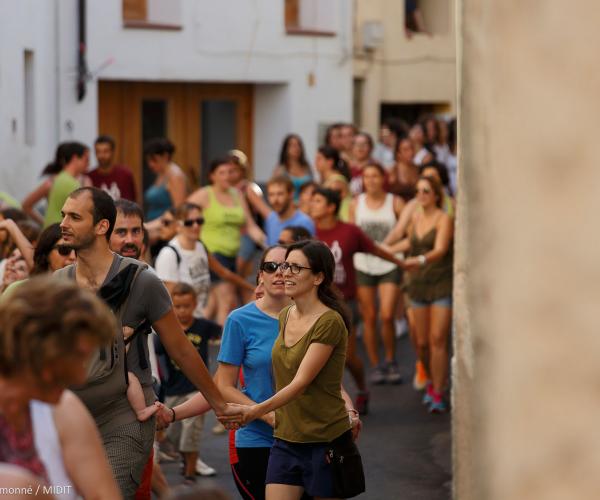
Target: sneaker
(437, 406)
(392, 373)
(166, 456)
(361, 404)
(420, 380)
(203, 469)
(378, 375)
(218, 429)
(428, 396)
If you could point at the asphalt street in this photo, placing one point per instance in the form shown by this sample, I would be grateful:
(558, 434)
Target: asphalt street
(405, 450)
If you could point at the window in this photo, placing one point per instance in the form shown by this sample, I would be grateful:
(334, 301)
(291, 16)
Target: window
(427, 16)
(152, 14)
(217, 131)
(309, 17)
(29, 98)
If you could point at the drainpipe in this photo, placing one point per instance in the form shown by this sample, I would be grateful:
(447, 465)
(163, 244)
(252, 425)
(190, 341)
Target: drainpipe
(82, 70)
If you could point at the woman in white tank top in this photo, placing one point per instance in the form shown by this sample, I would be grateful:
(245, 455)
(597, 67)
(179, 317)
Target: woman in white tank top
(68, 444)
(376, 212)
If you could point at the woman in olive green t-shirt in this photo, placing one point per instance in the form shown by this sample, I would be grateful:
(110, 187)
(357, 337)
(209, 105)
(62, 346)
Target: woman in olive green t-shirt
(308, 364)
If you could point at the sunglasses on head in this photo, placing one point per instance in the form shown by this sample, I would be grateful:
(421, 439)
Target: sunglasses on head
(63, 250)
(191, 222)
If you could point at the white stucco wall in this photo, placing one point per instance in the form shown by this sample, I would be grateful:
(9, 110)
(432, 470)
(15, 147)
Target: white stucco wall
(231, 41)
(21, 164)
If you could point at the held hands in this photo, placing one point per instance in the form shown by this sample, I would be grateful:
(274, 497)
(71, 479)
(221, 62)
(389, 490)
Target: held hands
(250, 413)
(411, 264)
(164, 416)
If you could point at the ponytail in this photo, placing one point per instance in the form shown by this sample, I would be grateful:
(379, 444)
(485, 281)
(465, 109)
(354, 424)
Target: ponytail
(332, 298)
(60, 160)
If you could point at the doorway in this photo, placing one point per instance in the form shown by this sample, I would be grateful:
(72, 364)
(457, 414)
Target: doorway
(204, 121)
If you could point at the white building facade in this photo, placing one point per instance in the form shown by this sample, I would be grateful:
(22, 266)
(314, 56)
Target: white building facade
(208, 75)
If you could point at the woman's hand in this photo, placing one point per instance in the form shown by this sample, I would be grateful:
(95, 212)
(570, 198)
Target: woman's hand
(269, 418)
(411, 264)
(356, 424)
(164, 416)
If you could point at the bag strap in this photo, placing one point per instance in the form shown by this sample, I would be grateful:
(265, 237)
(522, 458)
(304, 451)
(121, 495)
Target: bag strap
(177, 254)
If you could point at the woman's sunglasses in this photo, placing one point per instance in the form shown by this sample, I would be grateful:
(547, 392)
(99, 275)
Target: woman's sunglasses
(191, 222)
(63, 250)
(166, 222)
(270, 267)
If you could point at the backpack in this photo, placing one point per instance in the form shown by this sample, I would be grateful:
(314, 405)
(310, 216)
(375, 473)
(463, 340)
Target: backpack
(107, 373)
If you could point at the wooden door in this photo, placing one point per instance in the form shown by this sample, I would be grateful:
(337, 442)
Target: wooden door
(202, 120)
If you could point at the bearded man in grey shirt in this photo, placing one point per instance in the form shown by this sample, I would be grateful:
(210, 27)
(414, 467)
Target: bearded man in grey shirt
(88, 219)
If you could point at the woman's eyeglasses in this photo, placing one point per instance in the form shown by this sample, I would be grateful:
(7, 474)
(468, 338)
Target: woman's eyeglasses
(191, 222)
(271, 267)
(424, 191)
(294, 268)
(63, 250)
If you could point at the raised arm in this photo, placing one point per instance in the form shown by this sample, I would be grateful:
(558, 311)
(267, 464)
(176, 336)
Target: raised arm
(83, 454)
(257, 200)
(199, 197)
(22, 243)
(253, 230)
(32, 198)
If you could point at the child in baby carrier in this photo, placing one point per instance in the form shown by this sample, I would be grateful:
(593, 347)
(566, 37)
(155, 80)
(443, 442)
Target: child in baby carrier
(135, 393)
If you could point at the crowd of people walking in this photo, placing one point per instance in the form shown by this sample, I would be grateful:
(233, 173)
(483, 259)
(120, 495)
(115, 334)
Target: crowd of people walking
(110, 299)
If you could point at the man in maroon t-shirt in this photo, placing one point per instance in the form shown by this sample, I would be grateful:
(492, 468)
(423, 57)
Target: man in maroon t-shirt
(344, 240)
(116, 180)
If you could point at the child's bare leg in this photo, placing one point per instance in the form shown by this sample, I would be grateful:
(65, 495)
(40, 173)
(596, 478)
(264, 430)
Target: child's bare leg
(135, 396)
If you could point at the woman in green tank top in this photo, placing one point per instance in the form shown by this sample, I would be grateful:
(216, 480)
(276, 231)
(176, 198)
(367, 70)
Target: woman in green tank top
(429, 246)
(226, 214)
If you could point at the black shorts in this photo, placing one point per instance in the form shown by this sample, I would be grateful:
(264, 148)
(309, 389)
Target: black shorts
(227, 262)
(250, 472)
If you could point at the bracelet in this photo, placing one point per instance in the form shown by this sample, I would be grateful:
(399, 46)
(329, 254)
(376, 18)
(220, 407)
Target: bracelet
(352, 410)
(173, 412)
(422, 260)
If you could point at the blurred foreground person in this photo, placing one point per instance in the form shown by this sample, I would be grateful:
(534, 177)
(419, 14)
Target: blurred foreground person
(48, 332)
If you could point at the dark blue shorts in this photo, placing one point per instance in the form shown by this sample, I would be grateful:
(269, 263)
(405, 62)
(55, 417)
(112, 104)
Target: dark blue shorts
(228, 262)
(301, 464)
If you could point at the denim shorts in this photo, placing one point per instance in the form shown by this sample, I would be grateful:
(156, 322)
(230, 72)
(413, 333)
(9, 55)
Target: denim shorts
(247, 248)
(228, 262)
(442, 302)
(301, 464)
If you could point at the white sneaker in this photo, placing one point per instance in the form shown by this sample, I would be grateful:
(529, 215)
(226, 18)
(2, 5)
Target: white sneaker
(203, 469)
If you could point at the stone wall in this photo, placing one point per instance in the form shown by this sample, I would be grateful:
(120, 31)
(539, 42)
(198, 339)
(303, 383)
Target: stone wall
(527, 345)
